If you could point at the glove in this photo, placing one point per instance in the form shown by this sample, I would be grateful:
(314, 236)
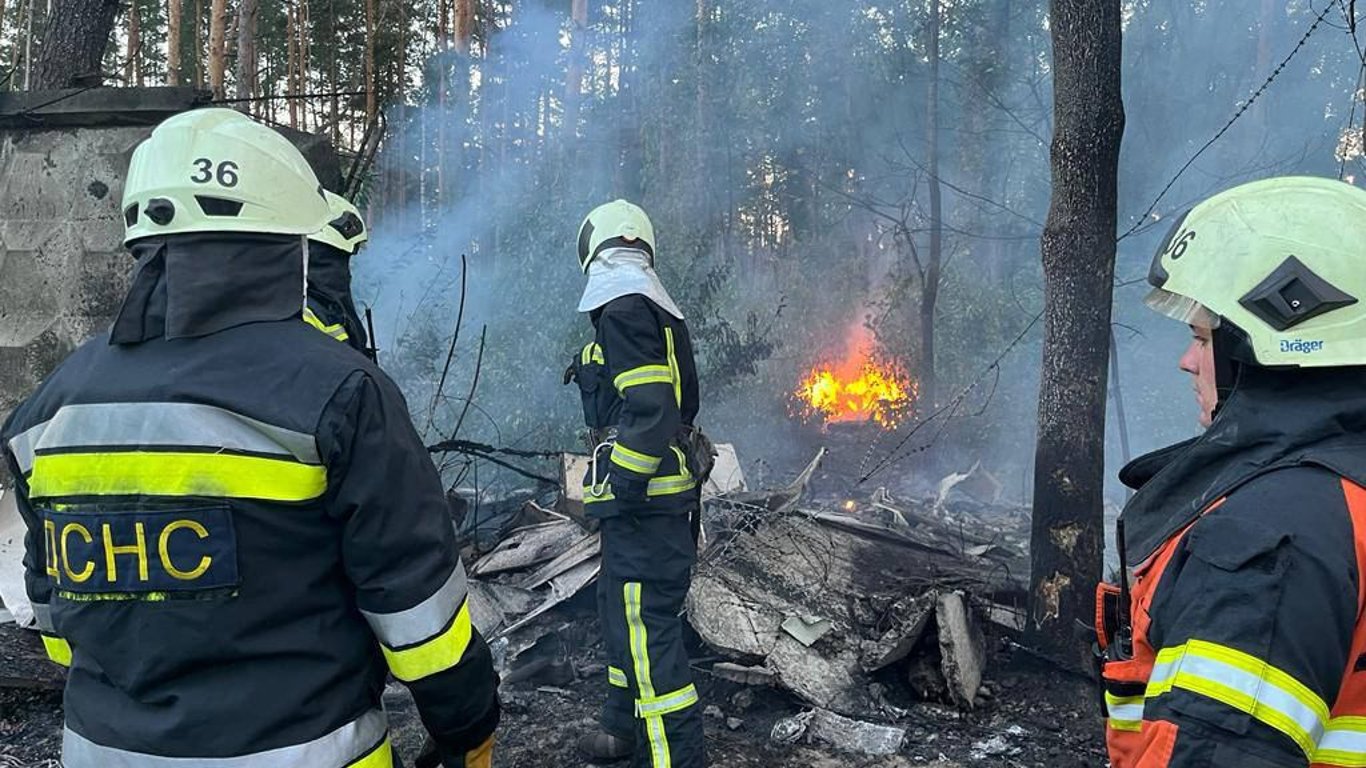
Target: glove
(481, 756)
(629, 487)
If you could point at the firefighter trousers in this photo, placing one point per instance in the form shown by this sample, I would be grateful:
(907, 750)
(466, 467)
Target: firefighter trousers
(647, 567)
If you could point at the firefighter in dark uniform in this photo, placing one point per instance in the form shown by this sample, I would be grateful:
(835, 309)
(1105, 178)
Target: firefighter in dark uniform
(234, 533)
(639, 386)
(331, 307)
(1236, 635)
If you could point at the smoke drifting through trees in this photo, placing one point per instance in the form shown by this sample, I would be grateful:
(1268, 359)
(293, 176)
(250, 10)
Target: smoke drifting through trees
(786, 152)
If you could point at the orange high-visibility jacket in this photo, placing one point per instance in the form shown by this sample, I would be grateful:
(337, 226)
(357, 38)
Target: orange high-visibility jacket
(1243, 639)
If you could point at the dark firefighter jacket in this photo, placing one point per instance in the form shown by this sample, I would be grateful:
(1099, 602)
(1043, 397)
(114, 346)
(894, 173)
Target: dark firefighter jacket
(331, 307)
(235, 535)
(1248, 608)
(638, 381)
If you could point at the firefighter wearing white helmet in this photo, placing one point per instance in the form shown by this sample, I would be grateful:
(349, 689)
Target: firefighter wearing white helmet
(217, 170)
(638, 382)
(331, 307)
(253, 537)
(1242, 636)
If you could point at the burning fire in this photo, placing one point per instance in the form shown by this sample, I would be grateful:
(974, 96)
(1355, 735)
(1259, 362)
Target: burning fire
(861, 387)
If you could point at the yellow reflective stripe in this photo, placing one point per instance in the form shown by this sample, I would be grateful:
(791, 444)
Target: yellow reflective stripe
(667, 485)
(58, 649)
(670, 486)
(640, 657)
(592, 353)
(1245, 683)
(645, 374)
(380, 757)
(175, 474)
(617, 678)
(336, 331)
(1343, 743)
(659, 486)
(667, 704)
(673, 366)
(435, 655)
(635, 461)
(98, 597)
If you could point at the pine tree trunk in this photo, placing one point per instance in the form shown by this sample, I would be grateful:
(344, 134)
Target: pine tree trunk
(291, 63)
(464, 25)
(2, 23)
(74, 37)
(929, 287)
(1079, 264)
(130, 65)
(303, 27)
(400, 87)
(199, 44)
(573, 76)
(247, 12)
(442, 93)
(334, 105)
(173, 22)
(218, 26)
(371, 98)
(24, 48)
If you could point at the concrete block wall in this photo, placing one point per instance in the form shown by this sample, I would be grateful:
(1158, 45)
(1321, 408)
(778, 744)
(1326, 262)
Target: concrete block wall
(63, 270)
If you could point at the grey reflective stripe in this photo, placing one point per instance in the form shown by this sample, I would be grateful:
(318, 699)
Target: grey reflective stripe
(42, 615)
(668, 703)
(424, 620)
(23, 446)
(335, 750)
(160, 425)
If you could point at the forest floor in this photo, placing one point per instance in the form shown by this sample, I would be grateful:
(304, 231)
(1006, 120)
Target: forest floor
(1037, 718)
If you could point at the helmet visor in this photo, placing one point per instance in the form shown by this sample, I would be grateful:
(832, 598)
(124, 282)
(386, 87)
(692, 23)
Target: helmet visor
(1178, 307)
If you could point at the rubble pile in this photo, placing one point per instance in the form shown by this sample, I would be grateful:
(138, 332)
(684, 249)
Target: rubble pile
(855, 606)
(823, 603)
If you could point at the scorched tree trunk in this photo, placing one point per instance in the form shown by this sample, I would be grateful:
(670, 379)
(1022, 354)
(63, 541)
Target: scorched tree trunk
(1079, 264)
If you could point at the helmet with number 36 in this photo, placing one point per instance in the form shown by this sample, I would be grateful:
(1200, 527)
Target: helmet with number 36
(217, 170)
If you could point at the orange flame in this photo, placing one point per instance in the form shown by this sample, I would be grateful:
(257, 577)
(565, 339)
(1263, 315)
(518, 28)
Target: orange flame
(861, 387)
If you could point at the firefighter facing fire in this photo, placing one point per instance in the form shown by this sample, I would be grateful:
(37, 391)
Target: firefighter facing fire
(1239, 636)
(234, 532)
(640, 398)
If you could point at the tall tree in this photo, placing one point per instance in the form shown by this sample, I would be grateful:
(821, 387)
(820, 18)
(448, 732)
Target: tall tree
(1079, 264)
(199, 67)
(132, 66)
(247, 12)
(74, 38)
(573, 78)
(464, 24)
(371, 98)
(218, 52)
(930, 275)
(173, 22)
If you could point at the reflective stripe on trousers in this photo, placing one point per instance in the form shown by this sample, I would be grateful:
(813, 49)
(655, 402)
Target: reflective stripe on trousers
(640, 658)
(362, 743)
